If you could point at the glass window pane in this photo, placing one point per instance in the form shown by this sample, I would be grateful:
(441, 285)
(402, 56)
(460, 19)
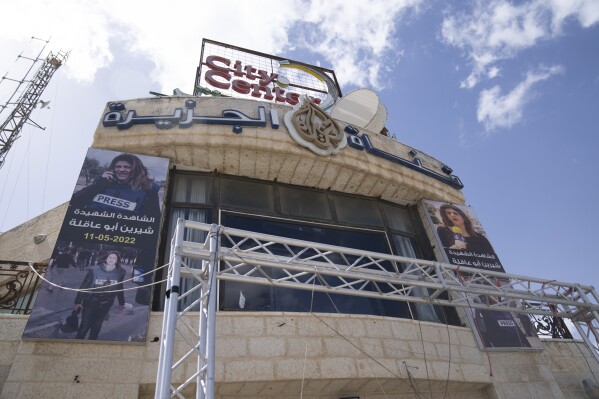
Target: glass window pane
(296, 202)
(356, 210)
(407, 247)
(238, 295)
(196, 215)
(192, 189)
(398, 218)
(247, 195)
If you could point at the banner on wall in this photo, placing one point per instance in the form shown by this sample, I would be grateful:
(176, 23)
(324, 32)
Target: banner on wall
(459, 232)
(106, 246)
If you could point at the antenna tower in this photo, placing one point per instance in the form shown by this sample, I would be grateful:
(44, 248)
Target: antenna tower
(10, 129)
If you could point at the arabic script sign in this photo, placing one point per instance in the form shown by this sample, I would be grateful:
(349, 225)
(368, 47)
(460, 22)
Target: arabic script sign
(184, 119)
(105, 253)
(312, 128)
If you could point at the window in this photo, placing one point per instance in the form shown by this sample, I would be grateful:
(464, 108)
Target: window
(305, 214)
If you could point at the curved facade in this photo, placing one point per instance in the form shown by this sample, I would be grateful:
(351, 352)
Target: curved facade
(237, 164)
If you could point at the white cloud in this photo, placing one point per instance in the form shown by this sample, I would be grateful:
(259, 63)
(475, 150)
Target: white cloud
(354, 37)
(496, 110)
(498, 29)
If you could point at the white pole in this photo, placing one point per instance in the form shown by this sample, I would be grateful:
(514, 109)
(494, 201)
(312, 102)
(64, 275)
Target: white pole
(212, 272)
(167, 341)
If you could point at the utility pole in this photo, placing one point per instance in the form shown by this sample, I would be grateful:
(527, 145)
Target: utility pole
(20, 114)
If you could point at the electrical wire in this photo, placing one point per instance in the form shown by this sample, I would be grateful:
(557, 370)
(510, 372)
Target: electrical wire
(50, 143)
(587, 361)
(101, 289)
(306, 343)
(13, 192)
(428, 379)
(448, 347)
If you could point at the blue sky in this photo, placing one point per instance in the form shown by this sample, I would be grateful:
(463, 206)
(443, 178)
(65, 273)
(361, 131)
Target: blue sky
(506, 93)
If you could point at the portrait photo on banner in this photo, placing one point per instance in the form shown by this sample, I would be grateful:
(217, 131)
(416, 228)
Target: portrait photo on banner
(100, 274)
(464, 242)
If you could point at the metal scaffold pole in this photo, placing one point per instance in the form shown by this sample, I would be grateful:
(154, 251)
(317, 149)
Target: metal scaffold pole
(175, 323)
(167, 340)
(228, 254)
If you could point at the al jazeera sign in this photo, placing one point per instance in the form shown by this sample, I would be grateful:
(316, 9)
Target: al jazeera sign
(262, 76)
(459, 232)
(101, 270)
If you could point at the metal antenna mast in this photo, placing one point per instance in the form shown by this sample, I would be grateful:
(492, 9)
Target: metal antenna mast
(10, 129)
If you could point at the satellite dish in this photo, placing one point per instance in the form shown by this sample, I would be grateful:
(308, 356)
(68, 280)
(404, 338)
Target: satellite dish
(361, 108)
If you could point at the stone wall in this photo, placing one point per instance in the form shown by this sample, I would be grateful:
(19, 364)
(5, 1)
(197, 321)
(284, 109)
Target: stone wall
(17, 244)
(280, 355)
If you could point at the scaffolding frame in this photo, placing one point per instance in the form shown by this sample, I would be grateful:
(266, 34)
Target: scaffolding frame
(247, 256)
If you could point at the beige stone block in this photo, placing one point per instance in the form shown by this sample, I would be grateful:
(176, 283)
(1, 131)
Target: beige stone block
(26, 347)
(405, 330)
(247, 162)
(296, 369)
(249, 326)
(351, 327)
(354, 182)
(10, 390)
(253, 387)
(365, 187)
(376, 368)
(302, 170)
(338, 367)
(90, 369)
(230, 388)
(473, 372)
(266, 347)
(305, 346)
(396, 348)
(338, 347)
(125, 370)
(152, 350)
(29, 368)
(149, 370)
(262, 165)
(341, 180)
(314, 326)
(372, 347)
(231, 347)
(378, 328)
(11, 328)
(467, 353)
(287, 168)
(49, 390)
(432, 333)
(315, 173)
(8, 351)
(249, 370)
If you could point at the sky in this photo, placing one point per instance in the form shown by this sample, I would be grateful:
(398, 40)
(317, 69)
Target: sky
(504, 92)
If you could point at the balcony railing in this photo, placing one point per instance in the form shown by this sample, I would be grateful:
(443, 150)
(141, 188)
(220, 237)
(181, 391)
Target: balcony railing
(18, 286)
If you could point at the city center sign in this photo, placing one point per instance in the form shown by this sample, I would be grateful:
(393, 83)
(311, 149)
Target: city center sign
(262, 76)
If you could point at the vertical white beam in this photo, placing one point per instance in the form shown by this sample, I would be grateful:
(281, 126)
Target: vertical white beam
(167, 340)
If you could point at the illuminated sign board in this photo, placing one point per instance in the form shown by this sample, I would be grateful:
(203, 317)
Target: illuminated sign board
(236, 72)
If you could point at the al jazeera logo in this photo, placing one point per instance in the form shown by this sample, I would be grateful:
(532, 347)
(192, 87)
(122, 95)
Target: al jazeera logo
(312, 128)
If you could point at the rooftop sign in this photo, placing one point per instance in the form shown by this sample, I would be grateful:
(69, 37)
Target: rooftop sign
(237, 72)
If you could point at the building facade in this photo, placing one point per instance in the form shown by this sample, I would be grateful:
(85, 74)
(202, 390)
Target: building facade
(242, 168)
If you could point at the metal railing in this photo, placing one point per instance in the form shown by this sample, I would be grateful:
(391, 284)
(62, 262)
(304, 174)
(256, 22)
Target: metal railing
(237, 255)
(18, 286)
